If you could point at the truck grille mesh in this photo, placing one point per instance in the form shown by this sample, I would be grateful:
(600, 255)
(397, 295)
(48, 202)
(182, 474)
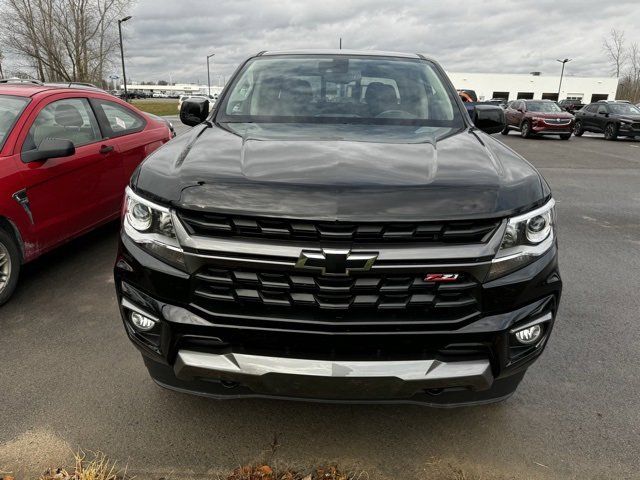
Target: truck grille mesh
(360, 302)
(209, 224)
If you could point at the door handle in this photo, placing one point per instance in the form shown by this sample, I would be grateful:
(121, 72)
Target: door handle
(106, 149)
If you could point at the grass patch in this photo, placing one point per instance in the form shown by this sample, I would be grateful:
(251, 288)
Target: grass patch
(97, 466)
(157, 108)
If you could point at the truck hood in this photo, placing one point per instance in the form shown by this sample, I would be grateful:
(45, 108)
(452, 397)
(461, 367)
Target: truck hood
(344, 172)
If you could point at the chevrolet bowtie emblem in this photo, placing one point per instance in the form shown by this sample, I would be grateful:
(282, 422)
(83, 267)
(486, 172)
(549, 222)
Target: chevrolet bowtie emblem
(336, 262)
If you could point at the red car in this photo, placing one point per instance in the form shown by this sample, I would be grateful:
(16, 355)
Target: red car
(538, 117)
(66, 156)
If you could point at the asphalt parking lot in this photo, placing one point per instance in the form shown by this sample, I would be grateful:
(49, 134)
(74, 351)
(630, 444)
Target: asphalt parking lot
(70, 379)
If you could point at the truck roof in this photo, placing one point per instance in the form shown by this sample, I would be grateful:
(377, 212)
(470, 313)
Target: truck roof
(370, 53)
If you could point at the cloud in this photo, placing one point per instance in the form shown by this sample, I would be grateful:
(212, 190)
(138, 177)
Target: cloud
(171, 38)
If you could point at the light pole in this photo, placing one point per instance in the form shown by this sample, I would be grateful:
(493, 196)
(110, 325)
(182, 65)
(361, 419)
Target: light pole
(124, 75)
(566, 60)
(209, 74)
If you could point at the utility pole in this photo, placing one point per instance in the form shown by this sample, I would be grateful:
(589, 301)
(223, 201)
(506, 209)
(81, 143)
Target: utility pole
(563, 62)
(340, 43)
(209, 74)
(124, 75)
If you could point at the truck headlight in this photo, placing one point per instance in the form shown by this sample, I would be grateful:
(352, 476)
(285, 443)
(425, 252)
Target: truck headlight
(139, 215)
(151, 226)
(526, 237)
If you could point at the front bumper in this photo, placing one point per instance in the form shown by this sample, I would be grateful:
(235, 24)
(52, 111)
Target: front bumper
(436, 389)
(543, 128)
(319, 378)
(220, 356)
(628, 130)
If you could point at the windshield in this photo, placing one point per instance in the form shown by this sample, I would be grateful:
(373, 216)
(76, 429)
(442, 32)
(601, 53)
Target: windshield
(10, 108)
(547, 107)
(624, 109)
(340, 89)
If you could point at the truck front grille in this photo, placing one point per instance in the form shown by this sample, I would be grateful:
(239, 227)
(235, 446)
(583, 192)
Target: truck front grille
(217, 225)
(364, 302)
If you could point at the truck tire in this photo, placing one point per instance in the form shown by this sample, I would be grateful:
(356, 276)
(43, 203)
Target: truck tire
(611, 131)
(10, 263)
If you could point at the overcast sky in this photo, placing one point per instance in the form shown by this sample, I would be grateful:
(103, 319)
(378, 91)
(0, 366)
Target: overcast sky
(171, 38)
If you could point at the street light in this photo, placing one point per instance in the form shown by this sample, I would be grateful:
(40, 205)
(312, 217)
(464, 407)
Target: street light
(209, 74)
(124, 75)
(566, 60)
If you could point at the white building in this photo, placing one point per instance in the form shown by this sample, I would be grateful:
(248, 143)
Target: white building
(486, 86)
(178, 88)
(513, 86)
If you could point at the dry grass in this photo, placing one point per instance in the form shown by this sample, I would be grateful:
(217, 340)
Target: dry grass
(98, 467)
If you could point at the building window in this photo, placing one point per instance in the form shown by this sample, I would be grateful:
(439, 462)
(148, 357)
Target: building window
(503, 95)
(575, 96)
(596, 97)
(550, 96)
(525, 95)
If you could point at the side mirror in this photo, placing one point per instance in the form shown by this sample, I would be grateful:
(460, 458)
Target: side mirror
(49, 148)
(194, 111)
(489, 118)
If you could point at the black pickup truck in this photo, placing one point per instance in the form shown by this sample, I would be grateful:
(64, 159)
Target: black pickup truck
(570, 105)
(338, 228)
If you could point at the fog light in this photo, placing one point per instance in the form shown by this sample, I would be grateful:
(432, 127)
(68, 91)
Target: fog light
(529, 335)
(141, 322)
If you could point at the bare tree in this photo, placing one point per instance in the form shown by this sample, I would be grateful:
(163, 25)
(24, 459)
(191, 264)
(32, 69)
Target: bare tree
(614, 48)
(625, 64)
(1, 59)
(633, 74)
(63, 40)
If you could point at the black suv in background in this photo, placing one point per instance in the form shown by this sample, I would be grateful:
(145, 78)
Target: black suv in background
(339, 229)
(613, 118)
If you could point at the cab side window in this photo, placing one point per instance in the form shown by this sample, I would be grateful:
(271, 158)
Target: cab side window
(69, 119)
(119, 119)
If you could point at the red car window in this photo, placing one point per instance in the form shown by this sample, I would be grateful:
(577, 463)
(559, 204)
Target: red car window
(120, 120)
(10, 109)
(70, 119)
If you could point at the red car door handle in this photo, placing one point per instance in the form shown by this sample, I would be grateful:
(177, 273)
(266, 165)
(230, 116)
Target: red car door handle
(106, 148)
